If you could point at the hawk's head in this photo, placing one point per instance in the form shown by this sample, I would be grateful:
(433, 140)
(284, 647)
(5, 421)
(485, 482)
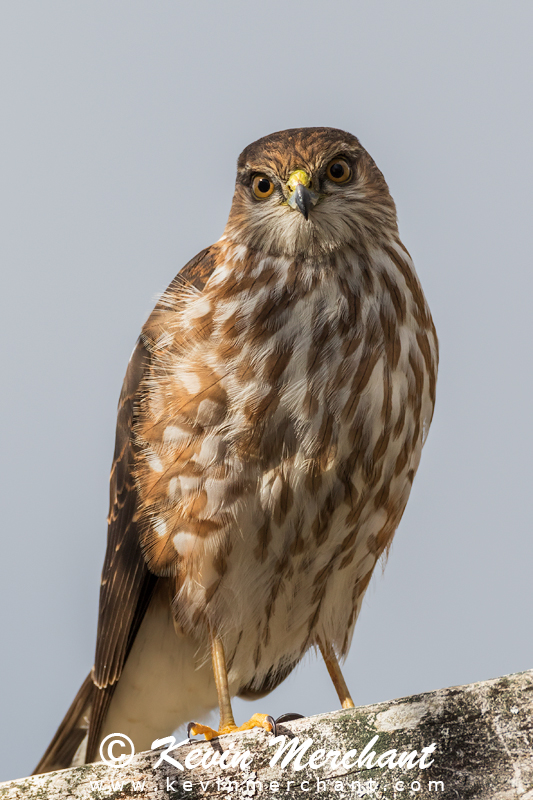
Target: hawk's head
(309, 191)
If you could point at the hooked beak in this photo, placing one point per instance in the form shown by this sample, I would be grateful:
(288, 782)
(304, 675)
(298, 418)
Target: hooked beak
(301, 197)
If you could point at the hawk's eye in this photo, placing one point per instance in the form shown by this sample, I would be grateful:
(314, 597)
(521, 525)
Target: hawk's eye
(262, 186)
(338, 170)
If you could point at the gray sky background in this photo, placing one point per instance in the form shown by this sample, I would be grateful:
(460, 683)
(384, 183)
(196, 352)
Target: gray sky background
(121, 125)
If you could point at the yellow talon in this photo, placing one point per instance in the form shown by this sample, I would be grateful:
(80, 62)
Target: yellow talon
(209, 733)
(257, 721)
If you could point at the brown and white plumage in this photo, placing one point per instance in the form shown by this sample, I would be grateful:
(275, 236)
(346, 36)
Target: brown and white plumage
(269, 429)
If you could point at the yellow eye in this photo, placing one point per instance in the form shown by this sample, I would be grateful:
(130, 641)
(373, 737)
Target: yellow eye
(262, 186)
(338, 170)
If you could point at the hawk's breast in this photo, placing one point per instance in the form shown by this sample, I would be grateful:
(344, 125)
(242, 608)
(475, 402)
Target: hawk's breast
(280, 429)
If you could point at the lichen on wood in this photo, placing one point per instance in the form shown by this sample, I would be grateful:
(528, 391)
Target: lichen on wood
(466, 742)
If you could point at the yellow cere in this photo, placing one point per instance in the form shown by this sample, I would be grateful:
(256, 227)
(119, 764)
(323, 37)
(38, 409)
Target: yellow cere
(296, 177)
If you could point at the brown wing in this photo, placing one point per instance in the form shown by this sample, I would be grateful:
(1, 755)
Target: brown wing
(127, 585)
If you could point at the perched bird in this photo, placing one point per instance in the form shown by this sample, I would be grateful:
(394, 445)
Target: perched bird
(269, 429)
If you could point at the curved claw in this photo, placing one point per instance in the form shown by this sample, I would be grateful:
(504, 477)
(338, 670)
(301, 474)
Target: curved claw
(289, 717)
(272, 721)
(283, 718)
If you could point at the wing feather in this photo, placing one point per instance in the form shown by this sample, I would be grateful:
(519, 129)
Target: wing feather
(127, 585)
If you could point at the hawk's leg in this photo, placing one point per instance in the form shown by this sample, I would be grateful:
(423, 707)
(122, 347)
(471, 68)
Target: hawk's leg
(336, 675)
(227, 723)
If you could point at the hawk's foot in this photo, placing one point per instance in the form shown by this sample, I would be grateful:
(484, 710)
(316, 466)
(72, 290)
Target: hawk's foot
(264, 721)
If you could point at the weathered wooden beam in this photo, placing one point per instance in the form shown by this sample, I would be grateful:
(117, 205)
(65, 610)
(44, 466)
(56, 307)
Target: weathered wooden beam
(465, 742)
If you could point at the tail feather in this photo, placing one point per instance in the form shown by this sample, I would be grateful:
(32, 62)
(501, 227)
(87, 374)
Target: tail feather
(71, 732)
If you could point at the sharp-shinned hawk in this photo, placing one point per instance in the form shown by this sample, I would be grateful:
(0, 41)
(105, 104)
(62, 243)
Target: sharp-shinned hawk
(269, 429)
